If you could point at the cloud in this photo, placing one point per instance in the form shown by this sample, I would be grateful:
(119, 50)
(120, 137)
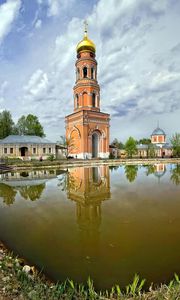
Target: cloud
(38, 24)
(37, 85)
(8, 13)
(54, 7)
(1, 100)
(138, 65)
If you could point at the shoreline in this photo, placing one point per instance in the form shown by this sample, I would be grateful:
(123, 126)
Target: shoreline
(61, 164)
(22, 282)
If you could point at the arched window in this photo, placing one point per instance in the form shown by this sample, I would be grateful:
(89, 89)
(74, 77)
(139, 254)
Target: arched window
(85, 72)
(77, 100)
(92, 73)
(93, 99)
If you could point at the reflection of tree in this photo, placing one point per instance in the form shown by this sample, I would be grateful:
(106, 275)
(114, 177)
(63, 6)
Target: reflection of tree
(8, 193)
(175, 177)
(131, 172)
(113, 168)
(31, 192)
(67, 182)
(150, 169)
(63, 182)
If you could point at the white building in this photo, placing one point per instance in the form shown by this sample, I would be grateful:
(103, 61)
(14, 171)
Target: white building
(26, 147)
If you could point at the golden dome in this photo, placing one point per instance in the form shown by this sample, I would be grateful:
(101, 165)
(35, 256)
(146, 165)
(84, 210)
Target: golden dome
(86, 43)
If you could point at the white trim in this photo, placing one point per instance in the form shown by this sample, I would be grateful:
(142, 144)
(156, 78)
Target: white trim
(86, 155)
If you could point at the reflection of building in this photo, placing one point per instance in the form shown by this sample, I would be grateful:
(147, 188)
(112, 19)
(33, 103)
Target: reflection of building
(88, 187)
(29, 175)
(26, 147)
(160, 170)
(159, 147)
(157, 170)
(87, 126)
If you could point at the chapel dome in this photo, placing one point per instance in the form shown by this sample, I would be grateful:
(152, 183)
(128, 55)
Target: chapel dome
(86, 43)
(158, 131)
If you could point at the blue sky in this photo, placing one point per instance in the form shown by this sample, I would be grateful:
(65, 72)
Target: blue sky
(138, 54)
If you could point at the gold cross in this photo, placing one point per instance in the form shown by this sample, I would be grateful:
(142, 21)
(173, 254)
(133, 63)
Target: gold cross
(85, 26)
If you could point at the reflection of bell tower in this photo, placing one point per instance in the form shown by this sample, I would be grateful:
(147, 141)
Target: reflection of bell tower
(88, 187)
(87, 126)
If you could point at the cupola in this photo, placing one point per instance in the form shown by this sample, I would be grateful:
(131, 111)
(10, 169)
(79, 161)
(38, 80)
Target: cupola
(86, 44)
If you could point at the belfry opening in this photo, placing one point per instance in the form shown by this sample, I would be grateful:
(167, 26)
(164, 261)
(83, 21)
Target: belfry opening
(87, 127)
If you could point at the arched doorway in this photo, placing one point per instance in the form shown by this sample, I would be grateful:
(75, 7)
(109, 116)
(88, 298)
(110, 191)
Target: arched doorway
(23, 151)
(95, 146)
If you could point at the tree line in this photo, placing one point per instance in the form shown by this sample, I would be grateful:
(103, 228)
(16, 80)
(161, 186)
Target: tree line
(130, 146)
(26, 125)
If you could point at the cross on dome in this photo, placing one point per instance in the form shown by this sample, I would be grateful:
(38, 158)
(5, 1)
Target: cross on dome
(85, 26)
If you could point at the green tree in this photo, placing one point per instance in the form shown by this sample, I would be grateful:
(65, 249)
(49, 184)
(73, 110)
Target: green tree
(6, 124)
(175, 141)
(151, 151)
(117, 144)
(30, 125)
(68, 143)
(131, 147)
(131, 172)
(144, 141)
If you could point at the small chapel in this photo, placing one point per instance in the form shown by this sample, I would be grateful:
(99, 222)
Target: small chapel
(87, 127)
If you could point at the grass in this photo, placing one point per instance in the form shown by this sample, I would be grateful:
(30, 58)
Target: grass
(16, 284)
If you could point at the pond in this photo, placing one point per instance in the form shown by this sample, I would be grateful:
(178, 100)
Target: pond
(104, 222)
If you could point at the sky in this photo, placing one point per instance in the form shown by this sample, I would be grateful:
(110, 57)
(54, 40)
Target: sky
(138, 54)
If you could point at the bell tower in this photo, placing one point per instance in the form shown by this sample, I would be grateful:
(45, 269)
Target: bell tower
(86, 89)
(87, 128)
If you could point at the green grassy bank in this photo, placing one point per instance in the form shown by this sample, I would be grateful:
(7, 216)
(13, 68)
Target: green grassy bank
(19, 282)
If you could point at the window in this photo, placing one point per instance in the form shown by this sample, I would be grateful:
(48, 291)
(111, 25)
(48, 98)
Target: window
(5, 150)
(85, 72)
(49, 150)
(92, 73)
(11, 150)
(34, 150)
(44, 150)
(77, 100)
(93, 99)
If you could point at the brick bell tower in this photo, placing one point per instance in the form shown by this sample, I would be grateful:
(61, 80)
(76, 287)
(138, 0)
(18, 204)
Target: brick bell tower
(87, 128)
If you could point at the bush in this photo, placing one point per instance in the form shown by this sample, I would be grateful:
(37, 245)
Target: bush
(111, 156)
(51, 157)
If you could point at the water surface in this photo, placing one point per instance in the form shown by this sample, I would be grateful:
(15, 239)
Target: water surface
(105, 222)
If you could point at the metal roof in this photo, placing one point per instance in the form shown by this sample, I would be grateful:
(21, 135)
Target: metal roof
(158, 131)
(24, 139)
